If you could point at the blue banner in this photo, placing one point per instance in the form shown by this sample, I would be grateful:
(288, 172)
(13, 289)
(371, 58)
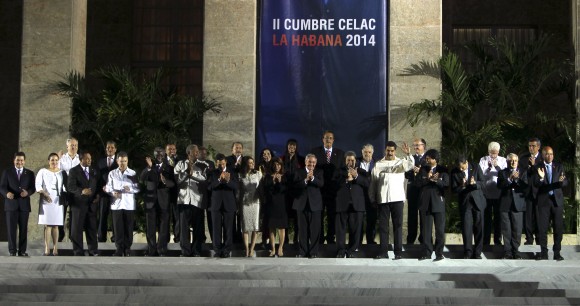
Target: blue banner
(323, 66)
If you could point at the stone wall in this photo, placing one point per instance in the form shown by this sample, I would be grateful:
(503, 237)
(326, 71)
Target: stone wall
(53, 42)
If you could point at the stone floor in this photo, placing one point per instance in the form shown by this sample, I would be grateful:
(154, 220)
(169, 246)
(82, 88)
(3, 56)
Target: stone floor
(104, 280)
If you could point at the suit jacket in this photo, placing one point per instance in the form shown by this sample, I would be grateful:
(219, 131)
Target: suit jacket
(542, 188)
(352, 192)
(409, 175)
(512, 192)
(368, 174)
(104, 170)
(231, 163)
(329, 169)
(155, 189)
(10, 183)
(77, 181)
(223, 194)
(524, 165)
(468, 192)
(431, 194)
(309, 192)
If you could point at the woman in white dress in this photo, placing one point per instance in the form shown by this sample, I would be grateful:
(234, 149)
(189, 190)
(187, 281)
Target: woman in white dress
(50, 184)
(249, 202)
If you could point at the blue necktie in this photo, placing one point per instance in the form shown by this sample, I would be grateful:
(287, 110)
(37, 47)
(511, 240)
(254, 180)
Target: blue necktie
(549, 173)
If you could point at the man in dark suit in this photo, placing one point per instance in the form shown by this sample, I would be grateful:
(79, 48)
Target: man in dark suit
(413, 220)
(366, 163)
(329, 160)
(432, 181)
(350, 206)
(548, 183)
(105, 165)
(223, 185)
(16, 186)
(158, 179)
(82, 184)
(513, 183)
(307, 183)
(234, 162)
(467, 181)
(171, 160)
(526, 162)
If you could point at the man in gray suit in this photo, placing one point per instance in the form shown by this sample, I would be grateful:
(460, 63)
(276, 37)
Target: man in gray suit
(513, 183)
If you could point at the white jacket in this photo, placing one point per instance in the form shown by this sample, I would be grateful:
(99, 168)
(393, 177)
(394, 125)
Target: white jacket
(388, 180)
(190, 191)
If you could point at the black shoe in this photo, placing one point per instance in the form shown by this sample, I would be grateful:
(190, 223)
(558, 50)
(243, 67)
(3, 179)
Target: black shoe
(439, 257)
(313, 256)
(23, 254)
(424, 257)
(175, 240)
(127, 253)
(397, 257)
(558, 257)
(371, 242)
(529, 242)
(300, 256)
(477, 256)
(498, 243)
(542, 256)
(225, 255)
(112, 238)
(340, 255)
(517, 256)
(13, 254)
(118, 254)
(507, 256)
(382, 256)
(467, 255)
(350, 255)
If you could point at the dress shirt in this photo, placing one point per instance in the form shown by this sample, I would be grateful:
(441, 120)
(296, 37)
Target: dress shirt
(66, 162)
(388, 179)
(116, 182)
(490, 176)
(190, 191)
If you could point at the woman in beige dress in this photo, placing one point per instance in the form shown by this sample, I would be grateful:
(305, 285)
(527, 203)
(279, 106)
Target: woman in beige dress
(249, 203)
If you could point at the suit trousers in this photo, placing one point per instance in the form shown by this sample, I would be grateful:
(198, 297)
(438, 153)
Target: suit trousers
(83, 220)
(104, 211)
(394, 211)
(531, 221)
(191, 242)
(492, 222)
(156, 215)
(414, 217)
(309, 228)
(354, 220)
(546, 212)
(123, 223)
(371, 216)
(329, 205)
(223, 228)
(472, 228)
(428, 219)
(511, 230)
(17, 219)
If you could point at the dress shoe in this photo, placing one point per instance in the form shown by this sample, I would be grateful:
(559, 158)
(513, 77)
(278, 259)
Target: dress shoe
(517, 255)
(397, 257)
(340, 255)
(23, 254)
(313, 256)
(477, 256)
(350, 255)
(528, 242)
(558, 257)
(194, 255)
(127, 253)
(439, 257)
(424, 257)
(508, 256)
(300, 256)
(225, 255)
(112, 238)
(542, 256)
(382, 256)
(498, 243)
(13, 254)
(118, 254)
(467, 255)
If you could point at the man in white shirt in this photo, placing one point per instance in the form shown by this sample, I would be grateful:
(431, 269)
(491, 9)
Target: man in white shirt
(122, 185)
(387, 190)
(491, 165)
(191, 181)
(66, 162)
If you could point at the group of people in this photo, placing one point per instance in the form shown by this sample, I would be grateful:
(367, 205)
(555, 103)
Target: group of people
(241, 196)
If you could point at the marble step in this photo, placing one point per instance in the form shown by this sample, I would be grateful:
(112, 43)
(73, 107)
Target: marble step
(280, 300)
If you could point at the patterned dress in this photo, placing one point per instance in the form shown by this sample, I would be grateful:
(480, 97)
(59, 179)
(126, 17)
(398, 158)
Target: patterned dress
(249, 201)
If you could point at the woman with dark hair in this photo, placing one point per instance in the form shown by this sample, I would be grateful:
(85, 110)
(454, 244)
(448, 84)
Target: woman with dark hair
(249, 202)
(293, 161)
(265, 164)
(276, 216)
(50, 184)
